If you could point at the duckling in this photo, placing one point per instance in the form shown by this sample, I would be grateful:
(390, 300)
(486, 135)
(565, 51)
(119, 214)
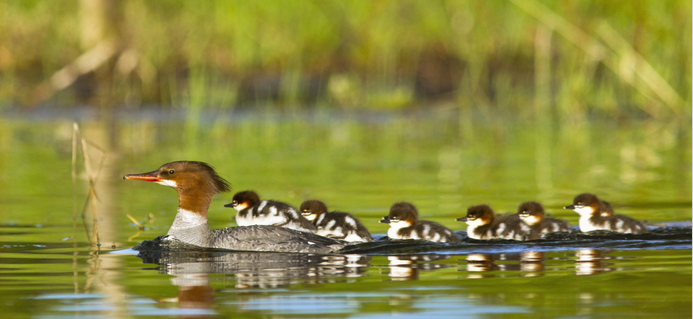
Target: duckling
(334, 224)
(532, 214)
(484, 224)
(591, 211)
(253, 211)
(405, 224)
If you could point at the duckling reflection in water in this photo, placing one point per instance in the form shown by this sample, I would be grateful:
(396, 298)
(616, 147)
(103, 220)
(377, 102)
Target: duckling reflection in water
(480, 263)
(531, 264)
(591, 262)
(407, 267)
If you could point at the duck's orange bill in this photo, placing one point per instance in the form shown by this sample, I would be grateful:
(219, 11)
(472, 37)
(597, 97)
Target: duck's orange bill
(149, 177)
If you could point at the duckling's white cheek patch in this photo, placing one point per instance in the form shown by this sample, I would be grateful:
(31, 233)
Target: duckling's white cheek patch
(167, 182)
(531, 220)
(399, 224)
(240, 207)
(585, 210)
(475, 222)
(310, 217)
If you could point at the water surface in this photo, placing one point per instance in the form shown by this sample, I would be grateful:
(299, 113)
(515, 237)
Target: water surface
(441, 161)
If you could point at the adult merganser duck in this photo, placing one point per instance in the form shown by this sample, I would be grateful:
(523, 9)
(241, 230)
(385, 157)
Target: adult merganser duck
(197, 183)
(253, 211)
(405, 224)
(532, 214)
(482, 223)
(334, 224)
(592, 216)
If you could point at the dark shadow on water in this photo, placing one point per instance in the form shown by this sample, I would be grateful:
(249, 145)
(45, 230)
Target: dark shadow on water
(158, 251)
(658, 238)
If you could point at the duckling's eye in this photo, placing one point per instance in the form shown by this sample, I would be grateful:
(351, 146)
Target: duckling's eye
(579, 203)
(171, 171)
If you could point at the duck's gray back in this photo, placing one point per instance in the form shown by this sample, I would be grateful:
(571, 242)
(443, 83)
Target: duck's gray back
(273, 238)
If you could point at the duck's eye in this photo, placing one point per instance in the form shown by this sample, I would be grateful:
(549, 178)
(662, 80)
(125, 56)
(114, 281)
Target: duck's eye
(171, 171)
(579, 203)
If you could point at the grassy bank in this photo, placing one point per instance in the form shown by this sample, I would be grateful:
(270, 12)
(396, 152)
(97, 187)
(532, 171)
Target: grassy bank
(567, 59)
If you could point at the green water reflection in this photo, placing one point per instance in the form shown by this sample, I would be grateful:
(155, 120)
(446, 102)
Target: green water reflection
(442, 162)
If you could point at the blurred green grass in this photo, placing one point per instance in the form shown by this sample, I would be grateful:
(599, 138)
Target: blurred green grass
(578, 58)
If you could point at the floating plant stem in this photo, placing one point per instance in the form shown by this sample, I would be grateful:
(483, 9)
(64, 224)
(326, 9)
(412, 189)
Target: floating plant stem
(135, 221)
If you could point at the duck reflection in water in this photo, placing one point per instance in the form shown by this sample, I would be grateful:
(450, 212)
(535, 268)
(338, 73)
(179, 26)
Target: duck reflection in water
(592, 262)
(191, 270)
(480, 263)
(403, 268)
(194, 291)
(530, 264)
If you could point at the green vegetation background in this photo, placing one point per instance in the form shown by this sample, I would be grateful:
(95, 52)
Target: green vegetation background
(613, 58)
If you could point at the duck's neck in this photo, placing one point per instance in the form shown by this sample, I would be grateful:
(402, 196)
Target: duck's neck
(195, 202)
(191, 225)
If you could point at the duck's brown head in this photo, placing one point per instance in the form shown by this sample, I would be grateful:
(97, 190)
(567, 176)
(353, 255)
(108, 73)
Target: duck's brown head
(195, 182)
(311, 209)
(531, 213)
(478, 215)
(586, 204)
(243, 200)
(401, 215)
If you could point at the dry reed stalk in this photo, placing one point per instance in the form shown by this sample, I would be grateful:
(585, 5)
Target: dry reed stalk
(75, 273)
(92, 178)
(653, 80)
(616, 59)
